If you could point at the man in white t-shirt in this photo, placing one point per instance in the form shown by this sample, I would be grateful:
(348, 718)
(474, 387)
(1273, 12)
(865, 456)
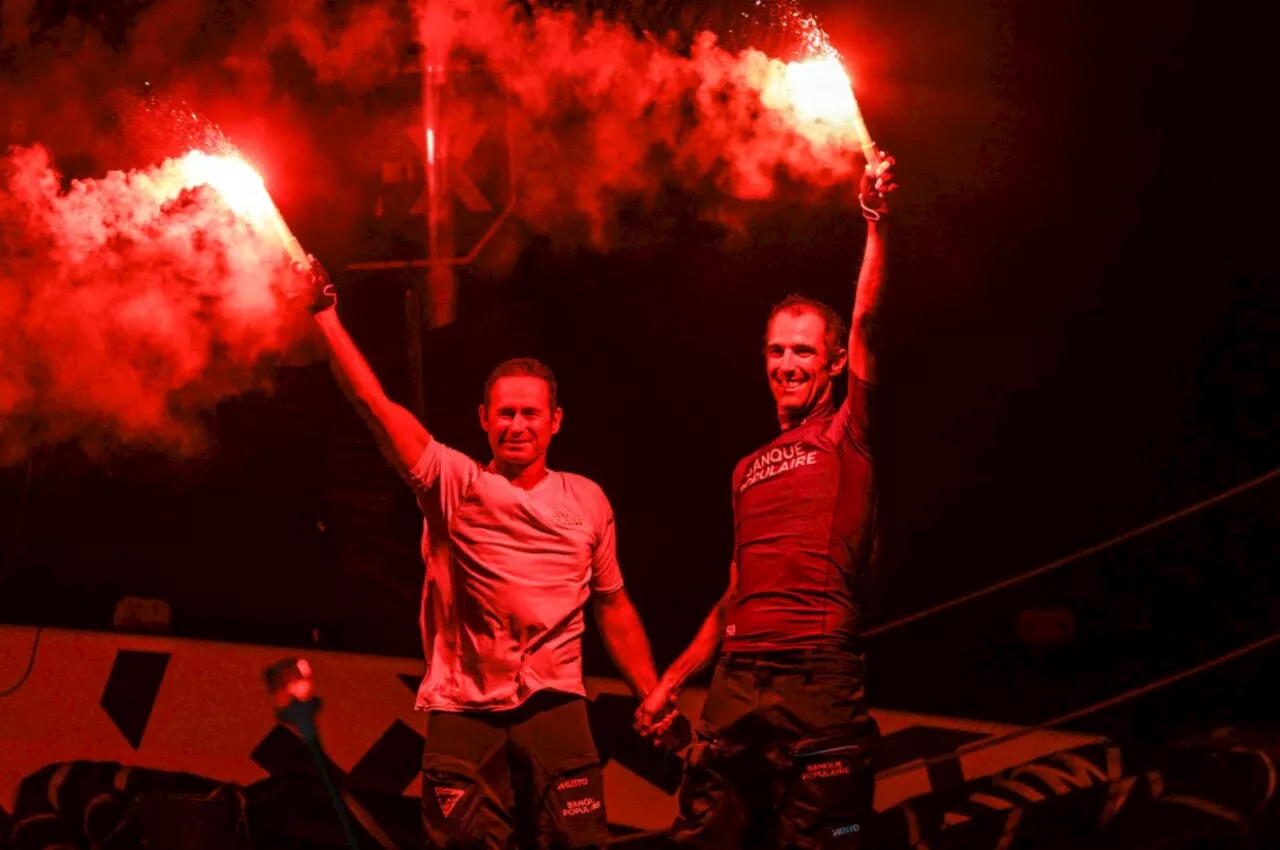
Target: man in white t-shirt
(514, 552)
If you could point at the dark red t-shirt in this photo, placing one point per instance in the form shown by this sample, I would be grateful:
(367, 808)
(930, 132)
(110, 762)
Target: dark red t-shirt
(804, 521)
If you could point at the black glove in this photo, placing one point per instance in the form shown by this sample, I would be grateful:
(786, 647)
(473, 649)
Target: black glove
(323, 293)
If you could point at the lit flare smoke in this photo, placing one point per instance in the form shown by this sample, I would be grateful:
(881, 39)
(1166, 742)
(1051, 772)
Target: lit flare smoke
(602, 116)
(817, 92)
(605, 111)
(134, 303)
(244, 191)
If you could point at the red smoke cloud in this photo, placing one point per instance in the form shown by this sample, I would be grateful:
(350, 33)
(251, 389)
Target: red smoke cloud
(129, 312)
(603, 116)
(358, 49)
(601, 112)
(130, 307)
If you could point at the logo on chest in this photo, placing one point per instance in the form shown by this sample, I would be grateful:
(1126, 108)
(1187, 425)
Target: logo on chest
(567, 520)
(776, 461)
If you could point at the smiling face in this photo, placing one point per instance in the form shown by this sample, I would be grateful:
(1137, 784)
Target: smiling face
(520, 422)
(800, 363)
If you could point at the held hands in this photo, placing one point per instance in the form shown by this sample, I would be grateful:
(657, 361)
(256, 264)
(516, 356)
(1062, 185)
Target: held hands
(657, 712)
(877, 183)
(323, 293)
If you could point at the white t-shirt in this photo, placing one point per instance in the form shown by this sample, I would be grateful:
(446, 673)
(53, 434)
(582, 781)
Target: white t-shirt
(508, 573)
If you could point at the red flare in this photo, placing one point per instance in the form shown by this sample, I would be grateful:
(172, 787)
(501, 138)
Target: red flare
(244, 191)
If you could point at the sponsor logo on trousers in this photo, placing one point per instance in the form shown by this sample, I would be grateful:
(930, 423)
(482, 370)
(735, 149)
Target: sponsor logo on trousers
(448, 798)
(848, 829)
(826, 769)
(582, 807)
(580, 782)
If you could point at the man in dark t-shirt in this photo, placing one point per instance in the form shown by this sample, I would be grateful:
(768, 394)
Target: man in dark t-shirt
(782, 756)
(802, 508)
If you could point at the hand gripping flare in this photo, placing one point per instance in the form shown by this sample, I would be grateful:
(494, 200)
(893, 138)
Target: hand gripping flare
(323, 293)
(877, 182)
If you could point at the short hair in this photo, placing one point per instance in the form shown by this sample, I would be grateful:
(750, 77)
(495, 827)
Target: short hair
(837, 332)
(523, 367)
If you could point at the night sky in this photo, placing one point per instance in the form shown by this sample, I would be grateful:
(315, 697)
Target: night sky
(1078, 338)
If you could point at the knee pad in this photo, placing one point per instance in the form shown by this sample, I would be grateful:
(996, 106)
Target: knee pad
(712, 812)
(573, 812)
(830, 790)
(459, 808)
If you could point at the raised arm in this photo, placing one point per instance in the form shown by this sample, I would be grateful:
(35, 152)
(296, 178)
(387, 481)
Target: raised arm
(876, 185)
(656, 707)
(400, 436)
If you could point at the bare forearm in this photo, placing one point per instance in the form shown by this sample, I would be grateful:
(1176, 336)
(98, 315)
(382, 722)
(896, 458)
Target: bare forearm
(866, 305)
(701, 651)
(353, 372)
(400, 436)
(628, 645)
